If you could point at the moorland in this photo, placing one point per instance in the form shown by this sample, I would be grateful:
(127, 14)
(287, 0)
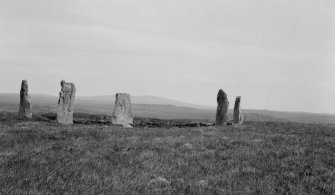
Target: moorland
(40, 156)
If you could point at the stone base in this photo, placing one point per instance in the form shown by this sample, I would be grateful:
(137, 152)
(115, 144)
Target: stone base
(25, 110)
(65, 118)
(27, 115)
(238, 121)
(124, 121)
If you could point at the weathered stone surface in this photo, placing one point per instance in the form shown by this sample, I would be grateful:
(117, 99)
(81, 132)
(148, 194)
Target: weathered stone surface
(222, 109)
(25, 110)
(123, 114)
(238, 118)
(66, 103)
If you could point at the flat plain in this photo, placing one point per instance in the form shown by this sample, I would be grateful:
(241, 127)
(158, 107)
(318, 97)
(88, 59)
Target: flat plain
(42, 157)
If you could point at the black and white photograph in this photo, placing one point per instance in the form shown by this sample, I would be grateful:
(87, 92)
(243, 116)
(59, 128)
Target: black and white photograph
(231, 97)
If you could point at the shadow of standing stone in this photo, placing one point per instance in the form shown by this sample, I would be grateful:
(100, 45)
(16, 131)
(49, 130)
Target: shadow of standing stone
(25, 110)
(66, 103)
(222, 109)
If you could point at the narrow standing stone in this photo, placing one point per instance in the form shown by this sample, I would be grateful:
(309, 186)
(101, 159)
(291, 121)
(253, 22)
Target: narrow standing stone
(238, 119)
(66, 103)
(25, 110)
(222, 109)
(123, 114)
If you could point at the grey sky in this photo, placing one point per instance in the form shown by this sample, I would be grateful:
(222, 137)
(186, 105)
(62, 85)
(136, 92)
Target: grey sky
(276, 54)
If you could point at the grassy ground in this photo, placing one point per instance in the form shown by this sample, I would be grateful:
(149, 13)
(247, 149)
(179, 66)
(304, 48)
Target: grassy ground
(256, 158)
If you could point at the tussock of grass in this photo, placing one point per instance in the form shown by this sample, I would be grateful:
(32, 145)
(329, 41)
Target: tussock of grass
(259, 157)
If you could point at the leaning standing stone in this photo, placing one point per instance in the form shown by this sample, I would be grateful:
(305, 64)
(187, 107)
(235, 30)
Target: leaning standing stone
(123, 114)
(66, 103)
(238, 119)
(25, 110)
(222, 109)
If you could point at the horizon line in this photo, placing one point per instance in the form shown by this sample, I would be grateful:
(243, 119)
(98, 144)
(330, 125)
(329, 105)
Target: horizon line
(259, 109)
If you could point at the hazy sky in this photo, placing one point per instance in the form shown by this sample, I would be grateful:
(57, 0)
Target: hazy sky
(276, 54)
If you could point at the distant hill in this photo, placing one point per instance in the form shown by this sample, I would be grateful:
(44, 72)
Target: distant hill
(146, 99)
(303, 117)
(156, 107)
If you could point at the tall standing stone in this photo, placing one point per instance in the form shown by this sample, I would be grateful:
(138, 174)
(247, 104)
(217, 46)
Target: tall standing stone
(222, 109)
(66, 103)
(25, 110)
(238, 119)
(123, 114)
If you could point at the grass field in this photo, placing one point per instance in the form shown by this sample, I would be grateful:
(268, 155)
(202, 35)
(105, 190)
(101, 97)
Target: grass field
(256, 158)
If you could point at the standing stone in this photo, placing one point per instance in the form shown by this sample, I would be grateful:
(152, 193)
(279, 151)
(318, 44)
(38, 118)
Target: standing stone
(25, 110)
(238, 119)
(222, 109)
(66, 103)
(123, 114)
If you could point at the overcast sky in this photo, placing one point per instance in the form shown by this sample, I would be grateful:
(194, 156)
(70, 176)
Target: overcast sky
(276, 54)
